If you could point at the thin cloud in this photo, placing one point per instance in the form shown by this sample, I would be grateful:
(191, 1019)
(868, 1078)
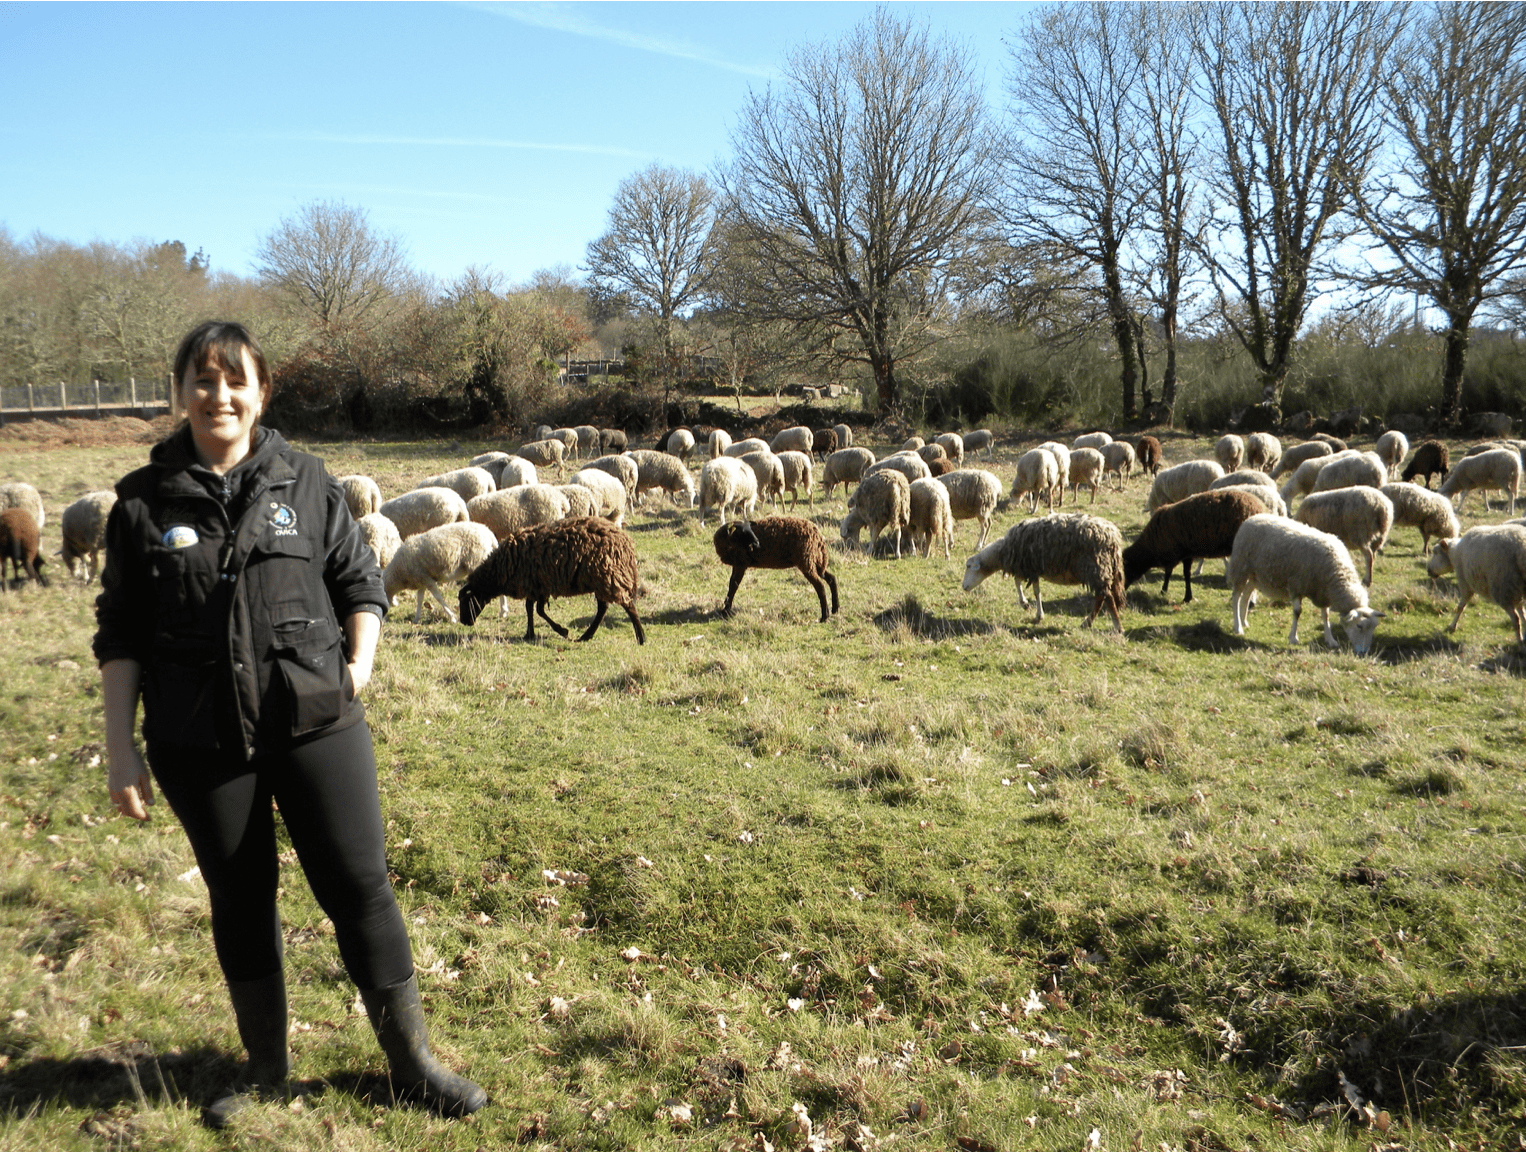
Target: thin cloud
(366, 139)
(562, 18)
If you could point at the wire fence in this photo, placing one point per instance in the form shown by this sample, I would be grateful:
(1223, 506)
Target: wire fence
(96, 395)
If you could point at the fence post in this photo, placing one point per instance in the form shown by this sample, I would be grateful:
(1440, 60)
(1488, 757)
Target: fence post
(30, 406)
(169, 393)
(97, 396)
(63, 396)
(132, 392)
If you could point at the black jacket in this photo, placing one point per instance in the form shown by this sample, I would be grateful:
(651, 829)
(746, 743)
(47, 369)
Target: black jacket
(231, 591)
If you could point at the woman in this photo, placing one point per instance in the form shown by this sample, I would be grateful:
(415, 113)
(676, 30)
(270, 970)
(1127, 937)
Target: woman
(232, 569)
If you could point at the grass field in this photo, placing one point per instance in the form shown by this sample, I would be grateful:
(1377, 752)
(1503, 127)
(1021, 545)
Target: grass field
(929, 875)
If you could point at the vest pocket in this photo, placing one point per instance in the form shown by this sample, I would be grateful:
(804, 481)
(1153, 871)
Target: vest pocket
(178, 704)
(312, 667)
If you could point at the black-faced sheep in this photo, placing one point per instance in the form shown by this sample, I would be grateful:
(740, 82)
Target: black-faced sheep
(1431, 458)
(1067, 548)
(1201, 527)
(18, 543)
(1491, 560)
(776, 542)
(84, 530)
(568, 558)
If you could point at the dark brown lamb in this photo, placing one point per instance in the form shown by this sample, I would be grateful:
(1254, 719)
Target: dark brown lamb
(18, 544)
(776, 542)
(1431, 458)
(940, 467)
(824, 442)
(580, 556)
(1201, 527)
(1147, 453)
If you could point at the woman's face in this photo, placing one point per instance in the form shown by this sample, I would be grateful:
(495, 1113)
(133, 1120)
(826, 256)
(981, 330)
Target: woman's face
(222, 407)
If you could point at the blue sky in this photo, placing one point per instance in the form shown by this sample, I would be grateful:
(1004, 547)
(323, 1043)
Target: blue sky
(491, 134)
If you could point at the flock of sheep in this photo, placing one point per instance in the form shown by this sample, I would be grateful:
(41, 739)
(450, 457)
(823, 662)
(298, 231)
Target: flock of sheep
(495, 524)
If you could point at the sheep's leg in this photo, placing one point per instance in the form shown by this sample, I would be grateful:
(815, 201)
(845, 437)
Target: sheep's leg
(529, 618)
(1330, 639)
(1038, 600)
(418, 608)
(635, 623)
(1297, 611)
(1022, 600)
(598, 618)
(1187, 579)
(1166, 583)
(1463, 600)
(1518, 618)
(1237, 611)
(540, 607)
(831, 583)
(503, 607)
(434, 590)
(738, 571)
(821, 590)
(1367, 551)
(874, 539)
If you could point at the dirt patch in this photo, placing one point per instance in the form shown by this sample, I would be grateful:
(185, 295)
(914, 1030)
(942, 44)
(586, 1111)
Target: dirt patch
(107, 432)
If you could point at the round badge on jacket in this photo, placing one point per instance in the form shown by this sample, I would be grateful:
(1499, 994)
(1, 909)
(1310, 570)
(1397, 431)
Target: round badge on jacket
(284, 516)
(180, 536)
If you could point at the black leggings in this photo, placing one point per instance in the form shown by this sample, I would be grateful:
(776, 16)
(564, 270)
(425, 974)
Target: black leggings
(326, 790)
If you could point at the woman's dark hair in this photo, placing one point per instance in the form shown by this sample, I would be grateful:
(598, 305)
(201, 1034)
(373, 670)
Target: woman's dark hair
(220, 344)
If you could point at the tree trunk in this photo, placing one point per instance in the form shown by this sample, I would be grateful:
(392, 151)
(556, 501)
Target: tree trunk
(1123, 336)
(884, 382)
(1168, 379)
(1454, 362)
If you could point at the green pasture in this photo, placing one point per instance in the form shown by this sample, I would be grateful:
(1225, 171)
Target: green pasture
(928, 875)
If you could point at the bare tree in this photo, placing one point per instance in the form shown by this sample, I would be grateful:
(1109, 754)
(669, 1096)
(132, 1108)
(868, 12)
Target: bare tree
(1452, 219)
(328, 265)
(856, 188)
(1293, 89)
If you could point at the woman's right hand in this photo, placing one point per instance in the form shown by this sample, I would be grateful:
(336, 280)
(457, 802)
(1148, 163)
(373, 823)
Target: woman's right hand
(128, 782)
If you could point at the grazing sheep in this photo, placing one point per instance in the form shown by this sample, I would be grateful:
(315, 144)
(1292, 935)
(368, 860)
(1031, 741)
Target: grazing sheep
(980, 440)
(1358, 469)
(1068, 548)
(1229, 452)
(776, 542)
(882, 504)
(796, 439)
(1498, 468)
(608, 491)
(742, 447)
(1335, 442)
(798, 474)
(1037, 474)
(1417, 507)
(1147, 452)
(913, 444)
(1431, 458)
(680, 443)
(516, 471)
(590, 442)
(824, 442)
(939, 467)
(541, 432)
(1244, 476)
(362, 495)
(932, 519)
(769, 470)
(545, 453)
(381, 536)
(84, 530)
(952, 444)
(1118, 459)
(423, 509)
(725, 483)
(19, 540)
(845, 466)
(720, 440)
(466, 483)
(1392, 447)
(612, 440)
(491, 462)
(931, 452)
(1263, 451)
(581, 500)
(659, 470)
(569, 558)
(908, 464)
(522, 506)
(973, 494)
(1516, 446)
(1492, 424)
(1289, 562)
(1061, 456)
(569, 439)
(1085, 468)
(20, 494)
(1097, 440)
(1491, 560)
(844, 435)
(425, 561)
(1295, 456)
(1360, 517)
(1182, 480)
(1305, 476)
(1264, 494)
(1201, 527)
(623, 469)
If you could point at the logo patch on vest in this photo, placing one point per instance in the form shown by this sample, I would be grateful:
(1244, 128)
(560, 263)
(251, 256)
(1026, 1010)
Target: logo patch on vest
(180, 536)
(284, 520)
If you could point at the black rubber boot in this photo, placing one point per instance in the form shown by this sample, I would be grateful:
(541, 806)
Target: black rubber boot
(397, 1015)
(260, 1008)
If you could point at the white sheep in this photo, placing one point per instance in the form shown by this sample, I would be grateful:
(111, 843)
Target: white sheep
(932, 519)
(726, 484)
(1263, 451)
(569, 439)
(1289, 562)
(608, 491)
(953, 445)
(441, 555)
(660, 471)
(973, 494)
(796, 439)
(845, 466)
(624, 469)
(581, 500)
(798, 473)
(1037, 474)
(1097, 440)
(681, 444)
(769, 470)
(913, 444)
(720, 440)
(423, 509)
(1068, 548)
(590, 442)
(1085, 468)
(381, 536)
(491, 461)
(541, 432)
(1244, 476)
(740, 448)
(516, 470)
(464, 482)
(1497, 468)
(84, 529)
(1301, 480)
(882, 503)
(1229, 452)
(1417, 507)
(522, 506)
(547, 453)
(844, 435)
(1061, 456)
(931, 452)
(362, 495)
(907, 463)
(20, 494)
(1392, 447)
(980, 440)
(1359, 516)
(1269, 497)
(1298, 453)
(1489, 559)
(1182, 480)
(1360, 468)
(1118, 459)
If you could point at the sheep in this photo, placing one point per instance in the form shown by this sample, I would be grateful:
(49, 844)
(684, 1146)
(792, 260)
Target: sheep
(1492, 424)
(1498, 468)
(1298, 454)
(1305, 476)
(1200, 527)
(1431, 458)
(658, 470)
(1097, 440)
(623, 469)
(1068, 548)
(1118, 459)
(1417, 507)
(1489, 559)
(940, 467)
(776, 542)
(520, 507)
(1085, 468)
(579, 557)
(541, 432)
(1359, 516)
(569, 439)
(932, 519)
(1229, 451)
(426, 560)
(823, 442)
(608, 491)
(1358, 469)
(491, 462)
(973, 494)
(381, 536)
(612, 440)
(423, 509)
(516, 471)
(796, 439)
(913, 444)
(590, 442)
(1264, 494)
(908, 464)
(770, 473)
(1182, 480)
(1062, 458)
(1147, 452)
(20, 494)
(844, 435)
(362, 495)
(1263, 451)
(720, 440)
(726, 483)
(19, 538)
(741, 447)
(882, 503)
(464, 482)
(84, 531)
(1037, 474)
(978, 440)
(953, 446)
(1335, 442)
(798, 474)
(1244, 476)
(1289, 561)
(680, 444)
(545, 453)
(581, 500)
(845, 466)
(931, 452)
(1392, 447)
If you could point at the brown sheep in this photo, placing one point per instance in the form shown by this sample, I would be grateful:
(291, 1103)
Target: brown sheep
(824, 442)
(1201, 527)
(776, 542)
(1431, 458)
(18, 544)
(1147, 453)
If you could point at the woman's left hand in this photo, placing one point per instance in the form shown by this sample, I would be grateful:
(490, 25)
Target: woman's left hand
(360, 674)
(362, 630)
